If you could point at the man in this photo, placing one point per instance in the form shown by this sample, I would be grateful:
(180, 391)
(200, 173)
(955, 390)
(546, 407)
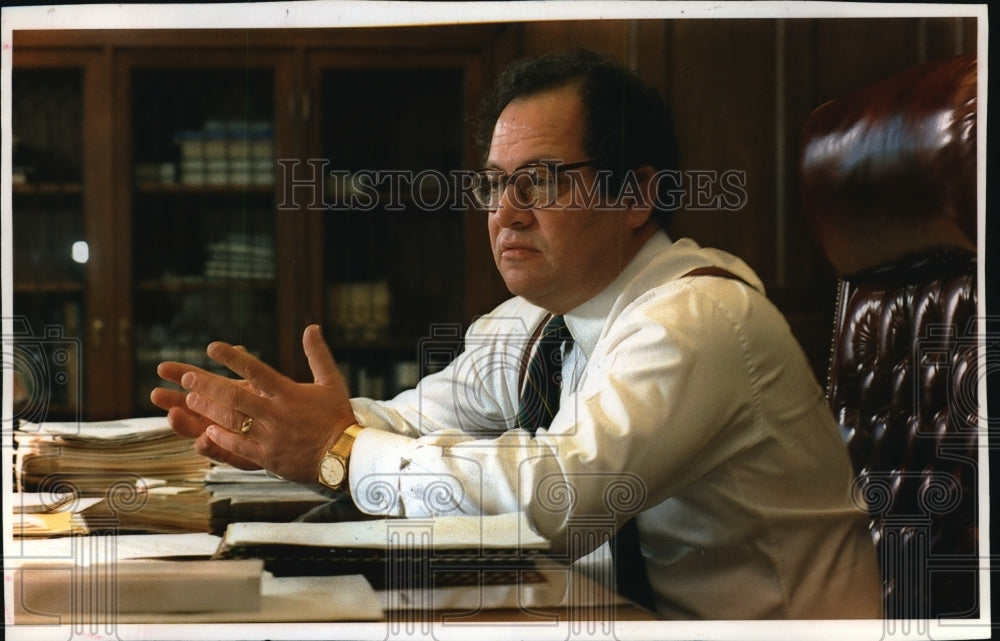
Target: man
(684, 398)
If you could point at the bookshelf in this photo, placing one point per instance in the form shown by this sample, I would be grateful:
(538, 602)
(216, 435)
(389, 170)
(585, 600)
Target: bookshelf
(50, 250)
(390, 267)
(202, 151)
(164, 152)
(196, 144)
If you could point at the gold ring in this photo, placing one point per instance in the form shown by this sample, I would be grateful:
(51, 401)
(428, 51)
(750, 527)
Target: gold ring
(247, 424)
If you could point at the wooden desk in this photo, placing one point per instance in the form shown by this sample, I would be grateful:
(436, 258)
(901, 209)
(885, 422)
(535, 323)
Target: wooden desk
(548, 594)
(562, 595)
(74, 591)
(562, 598)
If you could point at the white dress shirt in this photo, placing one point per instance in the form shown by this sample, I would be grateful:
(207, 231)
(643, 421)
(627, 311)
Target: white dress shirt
(685, 400)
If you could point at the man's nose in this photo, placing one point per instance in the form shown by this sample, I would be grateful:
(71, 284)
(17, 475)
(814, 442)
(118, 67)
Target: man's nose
(513, 209)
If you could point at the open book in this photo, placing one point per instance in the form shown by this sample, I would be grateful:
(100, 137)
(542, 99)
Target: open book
(437, 551)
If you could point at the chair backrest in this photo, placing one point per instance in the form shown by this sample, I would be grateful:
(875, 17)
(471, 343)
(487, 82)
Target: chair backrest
(888, 177)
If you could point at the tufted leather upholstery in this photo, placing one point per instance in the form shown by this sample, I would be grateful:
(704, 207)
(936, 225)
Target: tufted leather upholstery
(888, 179)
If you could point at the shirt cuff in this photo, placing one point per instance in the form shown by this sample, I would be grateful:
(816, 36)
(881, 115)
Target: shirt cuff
(391, 475)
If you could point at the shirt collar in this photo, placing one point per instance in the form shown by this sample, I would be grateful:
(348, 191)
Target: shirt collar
(586, 321)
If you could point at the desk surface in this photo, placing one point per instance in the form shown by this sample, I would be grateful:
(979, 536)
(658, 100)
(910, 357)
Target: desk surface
(75, 591)
(562, 597)
(549, 595)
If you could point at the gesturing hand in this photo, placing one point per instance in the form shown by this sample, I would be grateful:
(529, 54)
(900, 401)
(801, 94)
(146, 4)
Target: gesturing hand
(293, 424)
(188, 423)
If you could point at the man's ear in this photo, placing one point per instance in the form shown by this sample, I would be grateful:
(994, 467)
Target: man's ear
(639, 203)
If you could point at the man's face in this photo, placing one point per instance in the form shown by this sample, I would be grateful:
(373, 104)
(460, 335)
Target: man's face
(560, 256)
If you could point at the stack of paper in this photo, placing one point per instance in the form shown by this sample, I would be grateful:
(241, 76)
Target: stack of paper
(157, 511)
(90, 458)
(240, 495)
(40, 502)
(166, 578)
(136, 467)
(140, 586)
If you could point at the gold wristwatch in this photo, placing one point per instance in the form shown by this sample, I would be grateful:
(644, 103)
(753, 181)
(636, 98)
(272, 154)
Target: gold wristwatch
(333, 465)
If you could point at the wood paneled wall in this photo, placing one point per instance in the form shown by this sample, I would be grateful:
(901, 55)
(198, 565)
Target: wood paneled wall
(741, 90)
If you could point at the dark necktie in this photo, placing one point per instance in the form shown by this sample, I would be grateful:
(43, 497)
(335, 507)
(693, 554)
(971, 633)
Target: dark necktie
(539, 400)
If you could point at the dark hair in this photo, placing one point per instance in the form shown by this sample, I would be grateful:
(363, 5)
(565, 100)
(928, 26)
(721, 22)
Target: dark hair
(628, 124)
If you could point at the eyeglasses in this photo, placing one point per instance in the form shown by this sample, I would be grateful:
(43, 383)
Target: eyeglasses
(536, 185)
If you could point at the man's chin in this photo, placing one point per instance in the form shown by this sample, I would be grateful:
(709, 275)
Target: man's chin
(523, 292)
(534, 295)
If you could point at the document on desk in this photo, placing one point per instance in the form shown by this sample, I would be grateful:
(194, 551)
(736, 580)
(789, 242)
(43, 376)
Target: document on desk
(451, 548)
(40, 502)
(129, 430)
(141, 579)
(44, 514)
(139, 586)
(501, 531)
(120, 547)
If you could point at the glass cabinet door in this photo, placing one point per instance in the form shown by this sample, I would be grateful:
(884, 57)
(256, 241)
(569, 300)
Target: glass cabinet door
(202, 214)
(390, 140)
(49, 242)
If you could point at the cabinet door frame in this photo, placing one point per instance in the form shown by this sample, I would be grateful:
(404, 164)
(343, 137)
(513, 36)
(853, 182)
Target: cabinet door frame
(223, 56)
(470, 62)
(100, 284)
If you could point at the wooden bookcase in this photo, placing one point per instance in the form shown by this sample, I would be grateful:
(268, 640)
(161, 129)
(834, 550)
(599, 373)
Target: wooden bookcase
(60, 183)
(178, 159)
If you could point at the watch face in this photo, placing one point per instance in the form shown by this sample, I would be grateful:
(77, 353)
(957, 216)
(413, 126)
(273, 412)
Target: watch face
(332, 471)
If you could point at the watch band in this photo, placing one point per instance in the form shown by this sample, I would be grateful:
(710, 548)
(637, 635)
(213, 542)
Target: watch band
(342, 447)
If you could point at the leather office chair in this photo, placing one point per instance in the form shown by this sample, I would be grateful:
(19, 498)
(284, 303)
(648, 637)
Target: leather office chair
(888, 177)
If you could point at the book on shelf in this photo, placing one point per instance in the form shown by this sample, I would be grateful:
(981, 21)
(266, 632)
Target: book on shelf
(241, 256)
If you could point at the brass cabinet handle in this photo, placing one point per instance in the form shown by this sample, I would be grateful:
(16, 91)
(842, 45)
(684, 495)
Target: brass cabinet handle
(123, 332)
(97, 333)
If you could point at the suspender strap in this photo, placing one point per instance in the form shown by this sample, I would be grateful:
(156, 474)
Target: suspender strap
(712, 270)
(631, 575)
